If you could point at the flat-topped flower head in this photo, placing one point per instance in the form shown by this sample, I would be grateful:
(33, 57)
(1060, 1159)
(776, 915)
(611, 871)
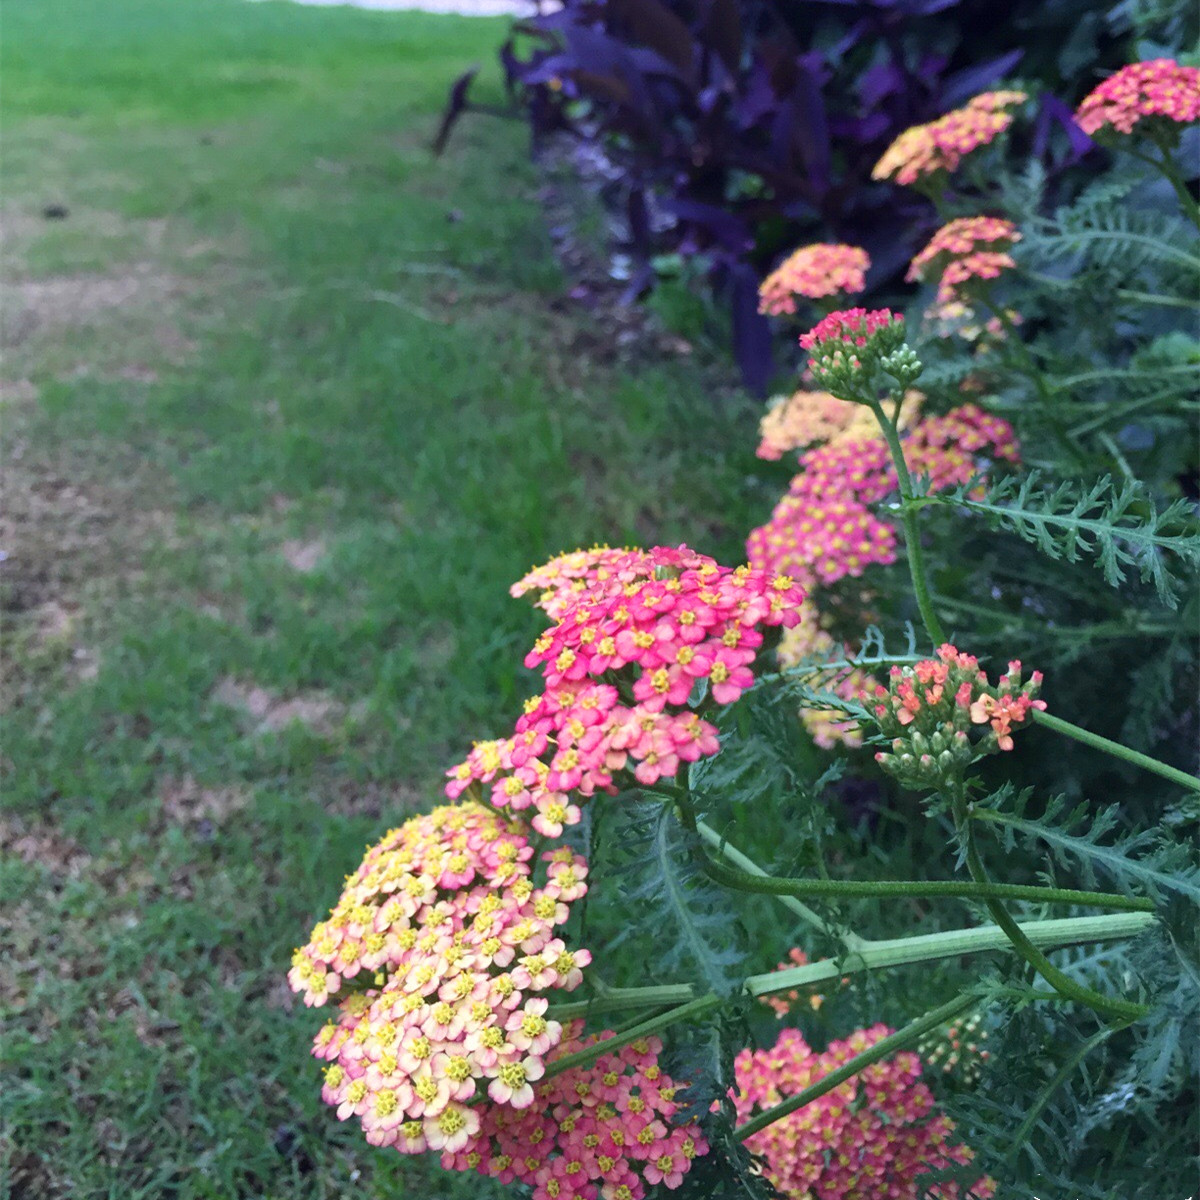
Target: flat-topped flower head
(930, 710)
(923, 154)
(441, 949)
(807, 418)
(875, 1135)
(636, 635)
(824, 529)
(1158, 96)
(962, 251)
(814, 272)
(599, 1132)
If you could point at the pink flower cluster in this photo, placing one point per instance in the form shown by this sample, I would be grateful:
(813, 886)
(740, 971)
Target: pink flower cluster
(656, 622)
(873, 1136)
(963, 250)
(851, 327)
(1160, 92)
(454, 943)
(815, 271)
(823, 529)
(602, 1130)
(924, 151)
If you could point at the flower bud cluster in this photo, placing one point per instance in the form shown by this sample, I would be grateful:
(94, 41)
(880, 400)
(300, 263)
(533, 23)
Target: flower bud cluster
(924, 153)
(1159, 94)
(875, 1135)
(444, 925)
(628, 650)
(598, 1131)
(846, 346)
(815, 271)
(931, 709)
(957, 1050)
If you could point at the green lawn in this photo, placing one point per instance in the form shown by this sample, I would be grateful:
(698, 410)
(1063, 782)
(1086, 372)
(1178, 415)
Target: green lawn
(287, 407)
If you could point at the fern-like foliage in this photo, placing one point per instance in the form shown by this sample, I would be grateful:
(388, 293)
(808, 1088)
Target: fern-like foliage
(664, 884)
(1115, 523)
(1092, 842)
(1102, 232)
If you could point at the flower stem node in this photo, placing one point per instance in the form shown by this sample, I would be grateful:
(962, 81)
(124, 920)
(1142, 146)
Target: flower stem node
(930, 710)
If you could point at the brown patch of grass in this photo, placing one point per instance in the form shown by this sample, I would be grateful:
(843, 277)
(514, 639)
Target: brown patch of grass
(269, 712)
(303, 556)
(42, 844)
(185, 802)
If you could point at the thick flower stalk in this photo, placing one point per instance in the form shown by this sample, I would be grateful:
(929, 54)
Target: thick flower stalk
(964, 253)
(1158, 96)
(874, 1135)
(924, 154)
(930, 711)
(814, 272)
(442, 948)
(603, 1130)
(637, 632)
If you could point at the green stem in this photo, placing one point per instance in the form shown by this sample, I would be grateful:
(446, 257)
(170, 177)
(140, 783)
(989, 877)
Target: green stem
(900, 1040)
(850, 940)
(1138, 759)
(952, 943)
(692, 1010)
(1166, 166)
(912, 533)
(619, 999)
(917, 889)
(1022, 1132)
(1062, 983)
(929, 947)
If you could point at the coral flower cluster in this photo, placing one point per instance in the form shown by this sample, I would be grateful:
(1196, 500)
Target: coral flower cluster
(964, 250)
(930, 709)
(660, 623)
(804, 418)
(875, 1135)
(602, 1130)
(823, 529)
(924, 152)
(1159, 93)
(455, 945)
(815, 271)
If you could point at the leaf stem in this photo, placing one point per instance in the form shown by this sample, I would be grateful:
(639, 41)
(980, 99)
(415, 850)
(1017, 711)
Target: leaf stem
(900, 1040)
(1116, 750)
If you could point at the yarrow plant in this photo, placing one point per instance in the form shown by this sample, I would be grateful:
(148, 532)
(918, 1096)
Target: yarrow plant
(920, 156)
(681, 704)
(814, 272)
